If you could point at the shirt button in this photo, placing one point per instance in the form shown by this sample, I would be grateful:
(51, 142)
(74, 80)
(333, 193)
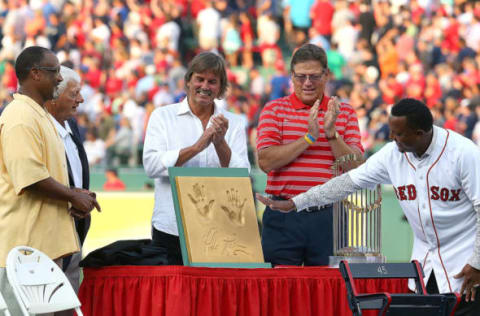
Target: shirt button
(421, 177)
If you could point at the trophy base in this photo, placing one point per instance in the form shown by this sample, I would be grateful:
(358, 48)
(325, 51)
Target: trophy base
(333, 261)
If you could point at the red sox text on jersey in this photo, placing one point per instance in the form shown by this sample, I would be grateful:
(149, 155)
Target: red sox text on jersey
(409, 192)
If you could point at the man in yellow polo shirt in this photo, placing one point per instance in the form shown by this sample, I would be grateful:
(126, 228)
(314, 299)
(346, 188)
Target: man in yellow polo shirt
(34, 189)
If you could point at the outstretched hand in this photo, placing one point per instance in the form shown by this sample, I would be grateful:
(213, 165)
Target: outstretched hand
(276, 205)
(470, 283)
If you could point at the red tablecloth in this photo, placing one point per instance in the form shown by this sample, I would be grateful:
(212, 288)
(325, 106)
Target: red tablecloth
(188, 291)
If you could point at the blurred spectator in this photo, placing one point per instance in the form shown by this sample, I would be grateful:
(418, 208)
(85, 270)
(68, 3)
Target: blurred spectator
(345, 36)
(119, 144)
(268, 35)
(366, 20)
(297, 18)
(9, 79)
(94, 147)
(318, 39)
(162, 96)
(280, 83)
(476, 129)
(247, 37)
(231, 41)
(336, 61)
(208, 20)
(321, 14)
(113, 182)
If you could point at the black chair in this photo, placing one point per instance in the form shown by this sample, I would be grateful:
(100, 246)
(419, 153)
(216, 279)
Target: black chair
(387, 304)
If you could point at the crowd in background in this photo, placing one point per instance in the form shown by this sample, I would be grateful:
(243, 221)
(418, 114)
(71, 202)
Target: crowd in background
(132, 54)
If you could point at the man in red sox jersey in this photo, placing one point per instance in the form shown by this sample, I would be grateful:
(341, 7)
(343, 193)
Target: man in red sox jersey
(436, 177)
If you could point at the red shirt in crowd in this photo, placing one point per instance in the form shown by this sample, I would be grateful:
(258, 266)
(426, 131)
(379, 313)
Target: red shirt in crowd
(10, 78)
(285, 120)
(93, 77)
(115, 185)
(113, 86)
(322, 14)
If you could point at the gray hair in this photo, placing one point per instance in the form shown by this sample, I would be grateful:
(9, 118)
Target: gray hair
(68, 75)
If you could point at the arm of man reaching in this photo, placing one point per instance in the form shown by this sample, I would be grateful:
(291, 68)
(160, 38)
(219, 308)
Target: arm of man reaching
(329, 192)
(368, 175)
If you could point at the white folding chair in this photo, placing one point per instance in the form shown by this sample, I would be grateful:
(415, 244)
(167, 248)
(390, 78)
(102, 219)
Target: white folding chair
(38, 283)
(3, 306)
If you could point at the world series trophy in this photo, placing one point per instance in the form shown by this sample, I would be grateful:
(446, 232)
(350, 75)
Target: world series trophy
(356, 221)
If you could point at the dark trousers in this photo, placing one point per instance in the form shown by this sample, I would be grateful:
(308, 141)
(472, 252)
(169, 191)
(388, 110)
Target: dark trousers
(464, 308)
(170, 243)
(297, 238)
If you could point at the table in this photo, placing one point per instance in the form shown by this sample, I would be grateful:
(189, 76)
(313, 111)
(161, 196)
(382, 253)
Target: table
(192, 291)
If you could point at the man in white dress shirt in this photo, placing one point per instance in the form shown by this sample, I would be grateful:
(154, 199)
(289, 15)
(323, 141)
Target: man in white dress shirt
(192, 133)
(436, 177)
(62, 108)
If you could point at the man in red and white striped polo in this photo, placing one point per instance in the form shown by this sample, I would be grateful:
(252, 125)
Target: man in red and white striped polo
(299, 138)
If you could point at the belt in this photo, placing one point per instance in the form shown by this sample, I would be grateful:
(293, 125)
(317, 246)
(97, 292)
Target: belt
(308, 209)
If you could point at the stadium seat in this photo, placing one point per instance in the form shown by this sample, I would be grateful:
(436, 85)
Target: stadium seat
(39, 285)
(419, 303)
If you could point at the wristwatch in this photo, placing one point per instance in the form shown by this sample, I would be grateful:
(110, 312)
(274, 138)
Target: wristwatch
(335, 136)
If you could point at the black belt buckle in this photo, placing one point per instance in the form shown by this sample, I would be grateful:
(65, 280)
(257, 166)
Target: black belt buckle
(312, 209)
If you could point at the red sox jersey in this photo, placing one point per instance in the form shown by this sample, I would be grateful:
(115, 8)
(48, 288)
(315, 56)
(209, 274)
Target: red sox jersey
(437, 193)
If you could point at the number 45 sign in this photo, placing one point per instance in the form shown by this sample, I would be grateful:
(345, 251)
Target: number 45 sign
(381, 269)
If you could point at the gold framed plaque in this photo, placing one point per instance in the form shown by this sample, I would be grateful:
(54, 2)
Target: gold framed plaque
(216, 217)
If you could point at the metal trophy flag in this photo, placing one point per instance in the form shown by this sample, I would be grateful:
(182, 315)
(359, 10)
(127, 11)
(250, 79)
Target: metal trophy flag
(356, 221)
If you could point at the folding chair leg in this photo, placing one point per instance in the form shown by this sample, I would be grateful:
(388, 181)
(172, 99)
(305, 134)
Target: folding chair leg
(357, 311)
(78, 311)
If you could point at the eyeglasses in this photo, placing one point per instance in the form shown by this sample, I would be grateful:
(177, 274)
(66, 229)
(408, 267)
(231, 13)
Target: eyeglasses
(314, 78)
(55, 69)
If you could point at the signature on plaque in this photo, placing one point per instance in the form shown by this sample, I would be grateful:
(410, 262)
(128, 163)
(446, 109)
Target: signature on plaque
(217, 242)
